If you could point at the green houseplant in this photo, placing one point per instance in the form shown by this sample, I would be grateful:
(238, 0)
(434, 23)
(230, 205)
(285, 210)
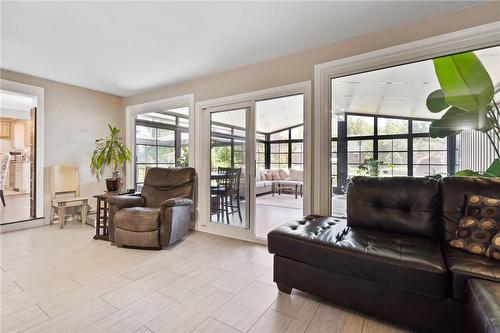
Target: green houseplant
(468, 96)
(373, 167)
(110, 151)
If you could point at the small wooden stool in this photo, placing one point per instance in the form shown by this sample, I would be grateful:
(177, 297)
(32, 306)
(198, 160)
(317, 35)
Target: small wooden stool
(59, 206)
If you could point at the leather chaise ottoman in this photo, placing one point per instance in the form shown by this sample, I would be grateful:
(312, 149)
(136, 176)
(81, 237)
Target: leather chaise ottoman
(483, 307)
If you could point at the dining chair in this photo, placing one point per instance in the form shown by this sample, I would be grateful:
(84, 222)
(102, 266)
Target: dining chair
(65, 193)
(4, 169)
(228, 191)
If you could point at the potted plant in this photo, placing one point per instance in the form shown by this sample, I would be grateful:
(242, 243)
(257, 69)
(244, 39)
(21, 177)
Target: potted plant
(373, 167)
(110, 151)
(468, 95)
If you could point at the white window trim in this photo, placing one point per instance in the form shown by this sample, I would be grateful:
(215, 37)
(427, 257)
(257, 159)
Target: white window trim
(460, 41)
(203, 157)
(38, 93)
(131, 112)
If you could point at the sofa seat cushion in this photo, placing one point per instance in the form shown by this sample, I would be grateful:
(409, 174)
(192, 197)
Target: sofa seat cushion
(410, 263)
(139, 219)
(464, 266)
(483, 306)
(263, 183)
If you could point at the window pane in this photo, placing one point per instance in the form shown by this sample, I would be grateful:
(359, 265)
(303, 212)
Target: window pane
(420, 126)
(166, 137)
(384, 145)
(296, 158)
(421, 144)
(400, 144)
(438, 144)
(400, 157)
(166, 154)
(145, 135)
(183, 122)
(146, 154)
(438, 157)
(392, 126)
(297, 133)
(283, 135)
(141, 172)
(360, 125)
(297, 147)
(421, 170)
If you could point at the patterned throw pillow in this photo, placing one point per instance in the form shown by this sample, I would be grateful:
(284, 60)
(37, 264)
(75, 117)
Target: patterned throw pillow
(479, 224)
(493, 251)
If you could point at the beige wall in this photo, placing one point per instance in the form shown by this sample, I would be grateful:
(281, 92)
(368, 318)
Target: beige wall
(300, 66)
(74, 117)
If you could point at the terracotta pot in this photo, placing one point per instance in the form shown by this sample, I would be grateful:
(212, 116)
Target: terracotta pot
(113, 184)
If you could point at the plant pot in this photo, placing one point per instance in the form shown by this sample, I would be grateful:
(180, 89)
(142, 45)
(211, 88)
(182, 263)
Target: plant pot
(113, 184)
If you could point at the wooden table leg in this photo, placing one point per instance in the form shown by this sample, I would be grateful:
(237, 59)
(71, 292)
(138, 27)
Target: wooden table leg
(105, 219)
(98, 219)
(84, 213)
(61, 212)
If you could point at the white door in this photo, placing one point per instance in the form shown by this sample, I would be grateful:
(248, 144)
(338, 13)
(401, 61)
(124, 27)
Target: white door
(229, 178)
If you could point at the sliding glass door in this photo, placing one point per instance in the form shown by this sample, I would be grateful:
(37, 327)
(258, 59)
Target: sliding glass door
(228, 167)
(231, 169)
(254, 167)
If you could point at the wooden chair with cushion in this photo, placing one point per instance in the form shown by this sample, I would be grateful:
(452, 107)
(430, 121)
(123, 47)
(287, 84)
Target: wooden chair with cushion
(65, 193)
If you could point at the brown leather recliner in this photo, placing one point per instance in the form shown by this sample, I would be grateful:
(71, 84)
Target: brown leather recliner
(160, 215)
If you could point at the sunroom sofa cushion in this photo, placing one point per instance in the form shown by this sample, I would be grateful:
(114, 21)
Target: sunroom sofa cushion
(382, 204)
(465, 266)
(404, 262)
(483, 306)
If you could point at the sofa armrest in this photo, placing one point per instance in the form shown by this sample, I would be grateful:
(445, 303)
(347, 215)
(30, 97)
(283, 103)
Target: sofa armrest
(125, 201)
(176, 202)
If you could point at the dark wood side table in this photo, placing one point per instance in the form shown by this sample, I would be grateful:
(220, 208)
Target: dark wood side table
(101, 216)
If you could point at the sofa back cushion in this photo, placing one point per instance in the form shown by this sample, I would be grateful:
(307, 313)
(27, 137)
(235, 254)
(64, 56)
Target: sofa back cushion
(297, 175)
(453, 196)
(404, 205)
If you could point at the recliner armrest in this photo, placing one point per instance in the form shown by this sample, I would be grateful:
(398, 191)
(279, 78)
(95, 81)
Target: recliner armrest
(126, 201)
(177, 202)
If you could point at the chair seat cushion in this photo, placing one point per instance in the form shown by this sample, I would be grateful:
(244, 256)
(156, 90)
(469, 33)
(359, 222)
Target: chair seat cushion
(410, 263)
(464, 266)
(483, 306)
(138, 219)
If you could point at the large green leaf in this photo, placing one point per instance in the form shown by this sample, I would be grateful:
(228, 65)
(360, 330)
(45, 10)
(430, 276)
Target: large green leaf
(436, 102)
(494, 169)
(465, 82)
(456, 120)
(467, 173)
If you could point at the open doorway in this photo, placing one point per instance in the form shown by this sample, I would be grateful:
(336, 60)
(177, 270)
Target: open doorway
(279, 176)
(17, 157)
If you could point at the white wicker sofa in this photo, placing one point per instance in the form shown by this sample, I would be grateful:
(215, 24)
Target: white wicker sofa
(263, 186)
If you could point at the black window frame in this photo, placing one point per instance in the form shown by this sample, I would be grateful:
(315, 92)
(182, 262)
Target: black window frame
(342, 142)
(178, 130)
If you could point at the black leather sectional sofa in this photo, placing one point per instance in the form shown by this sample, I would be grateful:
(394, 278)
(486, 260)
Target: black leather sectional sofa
(391, 257)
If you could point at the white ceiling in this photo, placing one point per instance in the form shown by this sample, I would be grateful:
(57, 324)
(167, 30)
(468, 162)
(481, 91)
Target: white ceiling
(124, 48)
(271, 114)
(15, 106)
(398, 91)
